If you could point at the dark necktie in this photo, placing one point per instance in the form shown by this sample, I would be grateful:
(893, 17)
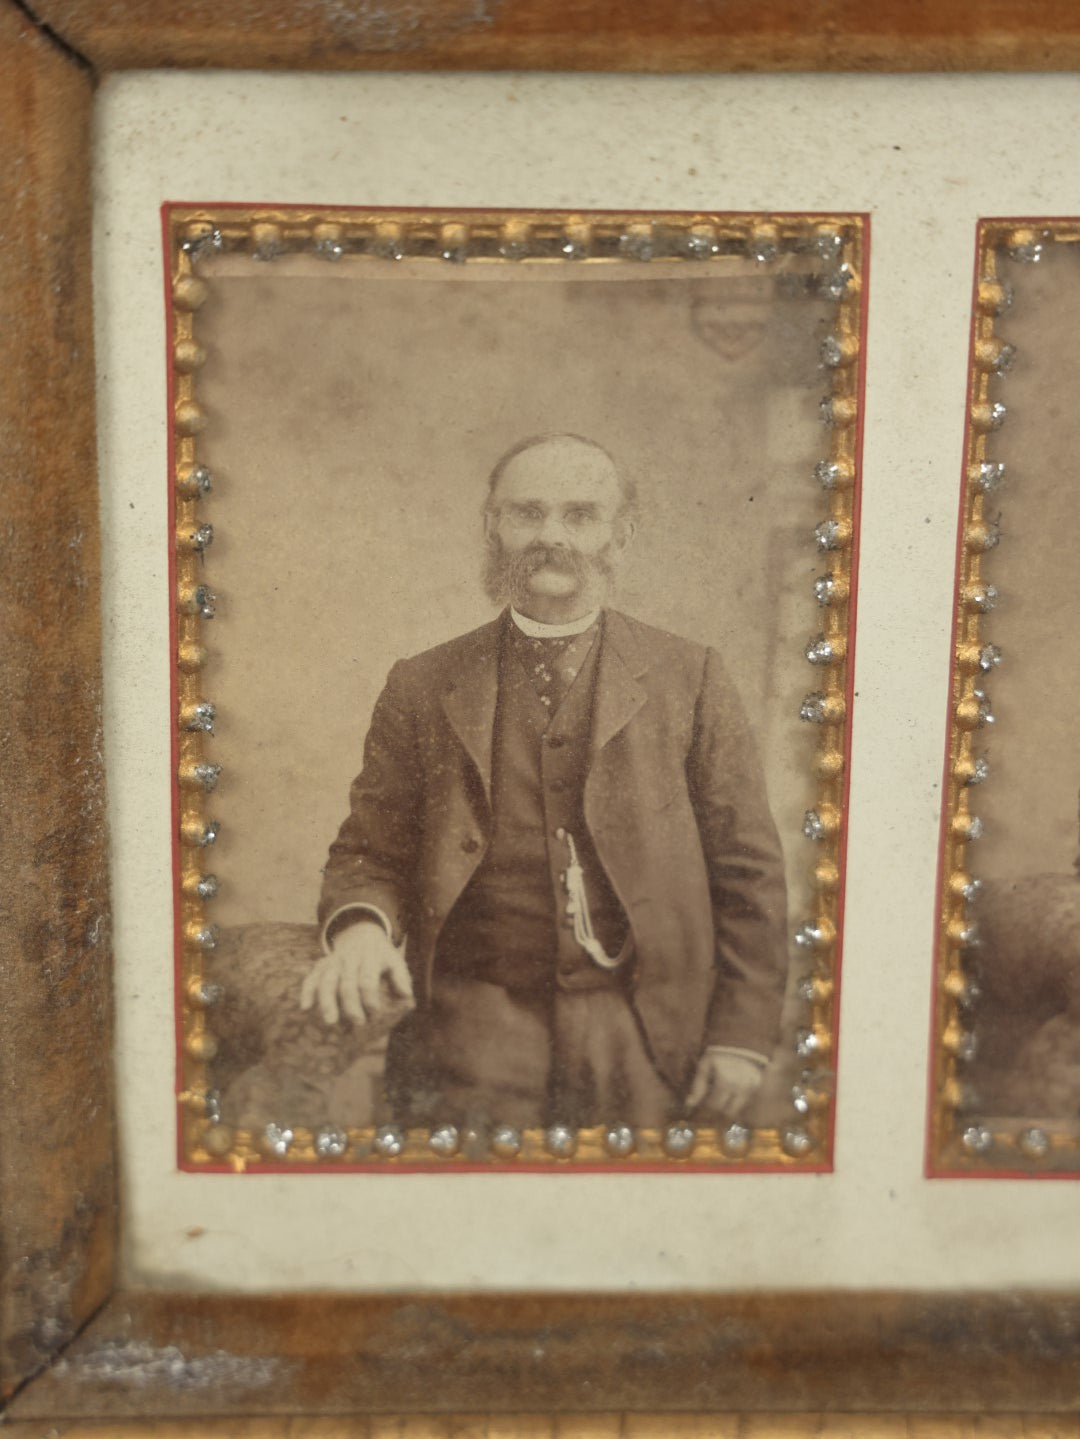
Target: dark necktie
(552, 664)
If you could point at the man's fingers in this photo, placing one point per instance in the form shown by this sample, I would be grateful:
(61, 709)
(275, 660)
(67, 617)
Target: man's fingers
(370, 995)
(307, 989)
(349, 990)
(327, 984)
(726, 1099)
(699, 1088)
(397, 972)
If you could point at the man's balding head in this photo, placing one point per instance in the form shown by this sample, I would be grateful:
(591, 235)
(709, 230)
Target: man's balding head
(571, 457)
(558, 519)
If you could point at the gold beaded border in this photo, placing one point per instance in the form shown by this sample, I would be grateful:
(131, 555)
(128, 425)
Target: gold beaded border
(958, 1142)
(839, 245)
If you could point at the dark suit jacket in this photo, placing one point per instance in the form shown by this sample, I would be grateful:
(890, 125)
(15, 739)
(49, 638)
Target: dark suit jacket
(674, 801)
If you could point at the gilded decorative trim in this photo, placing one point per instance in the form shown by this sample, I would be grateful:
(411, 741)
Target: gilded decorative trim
(959, 1143)
(837, 246)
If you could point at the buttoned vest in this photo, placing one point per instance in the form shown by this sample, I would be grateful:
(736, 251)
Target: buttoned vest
(510, 925)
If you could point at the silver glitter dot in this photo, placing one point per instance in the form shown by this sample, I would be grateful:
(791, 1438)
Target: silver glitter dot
(205, 243)
(832, 352)
(389, 1141)
(813, 826)
(797, 1143)
(835, 285)
(828, 244)
(800, 1099)
(444, 1140)
(389, 246)
(1028, 253)
(212, 1105)
(278, 1139)
(985, 713)
(972, 889)
(827, 412)
(975, 829)
(969, 936)
(812, 709)
(977, 1139)
(828, 535)
(573, 249)
(202, 718)
(735, 1140)
(1034, 1142)
(819, 651)
(824, 589)
(506, 1141)
(330, 1142)
(207, 886)
(700, 243)
(208, 936)
(637, 244)
(207, 775)
(561, 1141)
(969, 996)
(1004, 359)
(985, 597)
(806, 988)
(210, 992)
(764, 250)
(989, 657)
(515, 246)
(205, 602)
(967, 1046)
(980, 771)
(679, 1140)
(620, 1140)
(809, 936)
(202, 538)
(1008, 295)
(329, 249)
(267, 247)
(991, 475)
(991, 537)
(201, 480)
(455, 254)
(209, 833)
(827, 474)
(806, 1043)
(998, 413)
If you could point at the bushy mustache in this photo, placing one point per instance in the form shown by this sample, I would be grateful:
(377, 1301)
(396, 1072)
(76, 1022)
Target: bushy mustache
(505, 574)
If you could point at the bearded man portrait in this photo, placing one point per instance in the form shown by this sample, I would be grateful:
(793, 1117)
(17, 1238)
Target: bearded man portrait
(559, 849)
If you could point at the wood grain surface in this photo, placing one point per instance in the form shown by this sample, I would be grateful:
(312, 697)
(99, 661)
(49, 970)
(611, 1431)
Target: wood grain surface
(225, 1356)
(577, 1426)
(610, 35)
(57, 1193)
(633, 1366)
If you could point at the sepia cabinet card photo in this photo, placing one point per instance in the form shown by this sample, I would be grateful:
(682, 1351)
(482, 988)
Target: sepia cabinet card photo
(1006, 1096)
(512, 692)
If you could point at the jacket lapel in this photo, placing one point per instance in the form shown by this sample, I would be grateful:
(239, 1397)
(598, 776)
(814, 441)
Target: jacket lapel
(470, 693)
(618, 695)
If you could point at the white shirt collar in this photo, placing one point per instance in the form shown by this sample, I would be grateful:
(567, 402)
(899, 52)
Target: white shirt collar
(537, 631)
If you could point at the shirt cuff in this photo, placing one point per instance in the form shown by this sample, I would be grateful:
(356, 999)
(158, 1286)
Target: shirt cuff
(751, 1054)
(348, 915)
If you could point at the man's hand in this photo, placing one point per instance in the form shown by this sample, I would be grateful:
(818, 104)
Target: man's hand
(728, 1082)
(364, 972)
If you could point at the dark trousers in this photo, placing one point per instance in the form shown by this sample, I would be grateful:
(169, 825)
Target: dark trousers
(481, 1054)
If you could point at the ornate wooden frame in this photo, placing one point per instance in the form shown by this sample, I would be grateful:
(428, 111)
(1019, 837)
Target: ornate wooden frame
(63, 1327)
